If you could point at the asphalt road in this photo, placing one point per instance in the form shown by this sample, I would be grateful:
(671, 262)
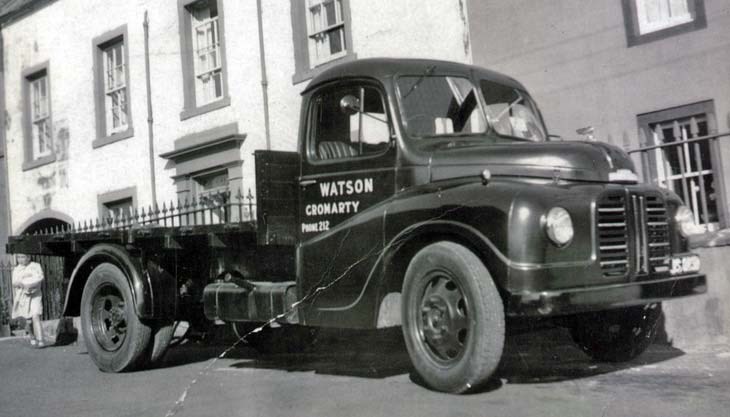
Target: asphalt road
(363, 373)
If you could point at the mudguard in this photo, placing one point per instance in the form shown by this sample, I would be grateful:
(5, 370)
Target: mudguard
(139, 281)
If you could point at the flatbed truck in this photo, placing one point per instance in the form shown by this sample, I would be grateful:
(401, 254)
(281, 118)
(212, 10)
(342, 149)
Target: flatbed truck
(424, 193)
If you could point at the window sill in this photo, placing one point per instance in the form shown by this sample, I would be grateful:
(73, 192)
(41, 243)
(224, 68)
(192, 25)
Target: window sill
(45, 160)
(197, 111)
(116, 137)
(312, 72)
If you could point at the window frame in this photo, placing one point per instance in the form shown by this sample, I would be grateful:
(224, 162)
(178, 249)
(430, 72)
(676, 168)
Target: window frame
(631, 22)
(113, 196)
(100, 44)
(650, 170)
(310, 145)
(28, 76)
(191, 106)
(305, 68)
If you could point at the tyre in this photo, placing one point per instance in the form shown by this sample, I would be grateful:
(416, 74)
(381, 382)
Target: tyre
(616, 335)
(116, 339)
(288, 338)
(453, 318)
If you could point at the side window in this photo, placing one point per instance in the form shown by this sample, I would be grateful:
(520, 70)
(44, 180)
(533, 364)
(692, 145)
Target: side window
(348, 122)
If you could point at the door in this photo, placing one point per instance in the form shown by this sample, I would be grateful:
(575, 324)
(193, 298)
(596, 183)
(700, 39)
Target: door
(347, 173)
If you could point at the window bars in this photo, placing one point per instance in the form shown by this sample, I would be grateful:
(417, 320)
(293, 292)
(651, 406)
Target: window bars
(678, 155)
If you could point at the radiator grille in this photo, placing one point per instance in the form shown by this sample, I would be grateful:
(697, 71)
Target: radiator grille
(658, 233)
(613, 235)
(633, 234)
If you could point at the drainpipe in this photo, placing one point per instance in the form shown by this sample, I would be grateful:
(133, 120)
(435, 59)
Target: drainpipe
(150, 131)
(264, 80)
(3, 142)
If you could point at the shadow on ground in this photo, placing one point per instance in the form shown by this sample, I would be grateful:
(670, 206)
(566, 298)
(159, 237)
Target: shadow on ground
(536, 356)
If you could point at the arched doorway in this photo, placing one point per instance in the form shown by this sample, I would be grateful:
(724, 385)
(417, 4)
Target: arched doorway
(55, 280)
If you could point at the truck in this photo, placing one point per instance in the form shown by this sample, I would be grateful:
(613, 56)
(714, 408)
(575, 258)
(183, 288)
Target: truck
(424, 194)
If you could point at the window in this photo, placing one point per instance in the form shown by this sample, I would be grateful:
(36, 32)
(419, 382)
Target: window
(113, 112)
(321, 34)
(348, 122)
(688, 169)
(325, 30)
(117, 205)
(38, 128)
(40, 115)
(204, 64)
(211, 192)
(649, 20)
(439, 106)
(118, 208)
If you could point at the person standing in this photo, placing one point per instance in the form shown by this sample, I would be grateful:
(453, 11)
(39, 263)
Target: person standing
(27, 301)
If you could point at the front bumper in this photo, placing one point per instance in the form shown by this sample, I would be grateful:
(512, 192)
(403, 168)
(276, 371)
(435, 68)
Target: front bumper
(604, 297)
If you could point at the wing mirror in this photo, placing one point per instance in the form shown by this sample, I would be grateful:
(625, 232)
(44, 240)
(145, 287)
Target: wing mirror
(350, 104)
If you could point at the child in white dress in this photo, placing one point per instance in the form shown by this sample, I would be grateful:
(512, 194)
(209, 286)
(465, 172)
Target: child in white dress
(27, 297)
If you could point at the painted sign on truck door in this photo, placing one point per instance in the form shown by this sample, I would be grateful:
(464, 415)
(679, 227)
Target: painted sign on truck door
(348, 169)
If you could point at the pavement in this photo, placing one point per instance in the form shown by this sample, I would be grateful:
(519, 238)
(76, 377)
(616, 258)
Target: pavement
(364, 373)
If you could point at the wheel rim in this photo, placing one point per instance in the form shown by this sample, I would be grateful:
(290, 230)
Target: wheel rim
(108, 317)
(443, 323)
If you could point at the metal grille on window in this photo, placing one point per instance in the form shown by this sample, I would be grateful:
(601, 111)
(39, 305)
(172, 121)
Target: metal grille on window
(326, 29)
(40, 117)
(206, 39)
(686, 168)
(115, 88)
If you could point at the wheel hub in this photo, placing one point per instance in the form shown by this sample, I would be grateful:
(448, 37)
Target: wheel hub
(444, 321)
(108, 318)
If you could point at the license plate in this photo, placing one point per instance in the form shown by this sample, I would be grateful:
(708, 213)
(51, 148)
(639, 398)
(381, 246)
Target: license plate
(685, 264)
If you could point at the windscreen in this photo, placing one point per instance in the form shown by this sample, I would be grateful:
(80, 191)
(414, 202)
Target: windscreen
(440, 106)
(511, 112)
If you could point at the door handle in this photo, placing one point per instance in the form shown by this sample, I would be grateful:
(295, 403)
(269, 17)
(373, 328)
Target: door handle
(304, 183)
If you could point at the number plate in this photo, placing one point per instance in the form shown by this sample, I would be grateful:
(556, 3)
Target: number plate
(685, 264)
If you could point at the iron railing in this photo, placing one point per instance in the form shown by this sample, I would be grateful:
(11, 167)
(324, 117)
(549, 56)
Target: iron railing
(222, 207)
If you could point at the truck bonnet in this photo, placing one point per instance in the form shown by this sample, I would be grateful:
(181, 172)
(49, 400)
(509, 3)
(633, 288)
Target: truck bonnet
(572, 161)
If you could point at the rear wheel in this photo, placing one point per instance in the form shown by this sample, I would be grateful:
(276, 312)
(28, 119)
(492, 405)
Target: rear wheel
(115, 337)
(616, 335)
(453, 318)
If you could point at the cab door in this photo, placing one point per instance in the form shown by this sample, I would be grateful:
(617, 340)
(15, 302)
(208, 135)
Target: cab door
(347, 173)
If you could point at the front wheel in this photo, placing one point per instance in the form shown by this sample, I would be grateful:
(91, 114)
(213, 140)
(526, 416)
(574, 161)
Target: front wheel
(616, 335)
(115, 338)
(453, 318)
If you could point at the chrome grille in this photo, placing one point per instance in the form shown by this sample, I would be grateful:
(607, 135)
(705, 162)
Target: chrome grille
(613, 235)
(657, 227)
(633, 234)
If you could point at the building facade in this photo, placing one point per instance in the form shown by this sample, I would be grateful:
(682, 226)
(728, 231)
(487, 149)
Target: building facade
(635, 73)
(111, 104)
